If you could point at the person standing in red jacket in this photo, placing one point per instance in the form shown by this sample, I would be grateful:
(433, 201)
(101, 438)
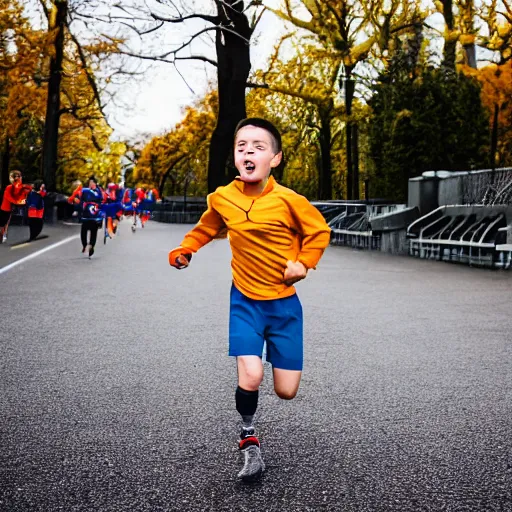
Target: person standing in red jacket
(15, 194)
(35, 204)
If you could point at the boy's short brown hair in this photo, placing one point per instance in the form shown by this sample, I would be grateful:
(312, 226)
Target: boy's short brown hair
(266, 125)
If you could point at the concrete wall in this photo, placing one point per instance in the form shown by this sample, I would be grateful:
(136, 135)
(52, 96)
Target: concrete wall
(394, 242)
(392, 229)
(423, 194)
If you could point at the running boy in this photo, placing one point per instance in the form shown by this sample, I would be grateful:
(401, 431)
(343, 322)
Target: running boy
(91, 199)
(15, 194)
(35, 205)
(276, 236)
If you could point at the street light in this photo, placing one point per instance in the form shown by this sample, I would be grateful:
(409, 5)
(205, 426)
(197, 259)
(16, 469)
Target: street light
(189, 176)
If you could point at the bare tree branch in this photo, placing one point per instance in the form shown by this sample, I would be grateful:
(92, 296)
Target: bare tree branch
(90, 78)
(183, 78)
(169, 61)
(255, 20)
(45, 9)
(198, 57)
(206, 17)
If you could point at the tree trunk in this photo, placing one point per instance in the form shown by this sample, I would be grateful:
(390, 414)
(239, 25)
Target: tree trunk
(325, 174)
(349, 96)
(355, 151)
(467, 15)
(56, 23)
(494, 136)
(450, 42)
(6, 157)
(169, 173)
(233, 68)
(470, 55)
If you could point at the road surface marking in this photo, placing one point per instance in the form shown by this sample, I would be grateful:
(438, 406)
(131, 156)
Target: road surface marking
(17, 246)
(37, 253)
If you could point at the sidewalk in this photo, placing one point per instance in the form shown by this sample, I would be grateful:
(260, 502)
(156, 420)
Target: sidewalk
(18, 246)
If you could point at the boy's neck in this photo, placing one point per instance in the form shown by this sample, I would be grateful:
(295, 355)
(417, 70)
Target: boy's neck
(255, 189)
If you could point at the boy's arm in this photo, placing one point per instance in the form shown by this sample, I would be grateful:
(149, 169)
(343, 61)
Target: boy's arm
(209, 226)
(74, 195)
(8, 195)
(315, 232)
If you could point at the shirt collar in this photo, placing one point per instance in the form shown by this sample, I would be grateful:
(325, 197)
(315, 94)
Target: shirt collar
(271, 183)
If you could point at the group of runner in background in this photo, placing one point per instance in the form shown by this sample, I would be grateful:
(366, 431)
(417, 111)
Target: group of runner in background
(18, 194)
(95, 207)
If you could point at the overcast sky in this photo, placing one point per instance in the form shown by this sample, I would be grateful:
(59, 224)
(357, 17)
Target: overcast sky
(160, 97)
(154, 103)
(157, 99)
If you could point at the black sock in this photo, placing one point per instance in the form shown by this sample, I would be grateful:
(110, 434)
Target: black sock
(246, 405)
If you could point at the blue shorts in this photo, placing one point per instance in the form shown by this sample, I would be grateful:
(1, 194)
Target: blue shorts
(276, 321)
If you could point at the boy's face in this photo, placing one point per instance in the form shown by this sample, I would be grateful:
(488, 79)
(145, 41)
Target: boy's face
(255, 155)
(15, 177)
(92, 184)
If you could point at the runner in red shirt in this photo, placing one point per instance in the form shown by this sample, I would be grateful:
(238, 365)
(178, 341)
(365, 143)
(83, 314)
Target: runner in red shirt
(15, 194)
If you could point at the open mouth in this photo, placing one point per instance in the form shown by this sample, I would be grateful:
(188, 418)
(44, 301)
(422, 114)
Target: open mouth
(249, 166)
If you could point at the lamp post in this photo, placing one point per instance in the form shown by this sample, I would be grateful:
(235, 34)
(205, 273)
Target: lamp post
(348, 84)
(189, 176)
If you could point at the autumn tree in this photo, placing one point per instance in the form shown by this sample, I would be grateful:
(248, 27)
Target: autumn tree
(469, 25)
(319, 90)
(169, 160)
(56, 14)
(496, 81)
(232, 22)
(468, 31)
(496, 77)
(497, 16)
(55, 86)
(295, 119)
(350, 29)
(105, 165)
(19, 63)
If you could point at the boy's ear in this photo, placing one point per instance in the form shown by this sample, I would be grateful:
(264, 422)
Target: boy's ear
(276, 160)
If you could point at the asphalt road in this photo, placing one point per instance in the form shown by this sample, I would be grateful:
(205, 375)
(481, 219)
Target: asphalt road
(18, 247)
(117, 394)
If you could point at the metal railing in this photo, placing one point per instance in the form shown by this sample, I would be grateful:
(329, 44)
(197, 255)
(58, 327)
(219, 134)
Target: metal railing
(350, 221)
(475, 235)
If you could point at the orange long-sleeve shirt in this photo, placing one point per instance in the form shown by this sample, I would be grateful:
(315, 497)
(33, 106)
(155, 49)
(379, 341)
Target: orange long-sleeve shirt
(14, 194)
(264, 233)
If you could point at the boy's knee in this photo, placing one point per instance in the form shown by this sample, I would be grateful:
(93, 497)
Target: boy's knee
(286, 394)
(251, 379)
(250, 374)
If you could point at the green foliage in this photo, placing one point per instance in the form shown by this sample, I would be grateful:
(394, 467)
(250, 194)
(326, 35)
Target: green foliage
(431, 121)
(27, 144)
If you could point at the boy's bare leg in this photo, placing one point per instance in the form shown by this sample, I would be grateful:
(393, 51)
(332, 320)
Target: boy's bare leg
(286, 382)
(250, 375)
(3, 231)
(250, 372)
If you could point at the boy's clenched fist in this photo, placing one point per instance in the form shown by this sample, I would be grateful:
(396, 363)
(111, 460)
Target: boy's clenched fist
(295, 271)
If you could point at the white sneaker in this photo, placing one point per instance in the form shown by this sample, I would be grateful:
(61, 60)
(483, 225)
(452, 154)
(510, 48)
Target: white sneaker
(253, 464)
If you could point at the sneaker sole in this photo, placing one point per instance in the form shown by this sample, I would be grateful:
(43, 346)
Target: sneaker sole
(254, 477)
(259, 468)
